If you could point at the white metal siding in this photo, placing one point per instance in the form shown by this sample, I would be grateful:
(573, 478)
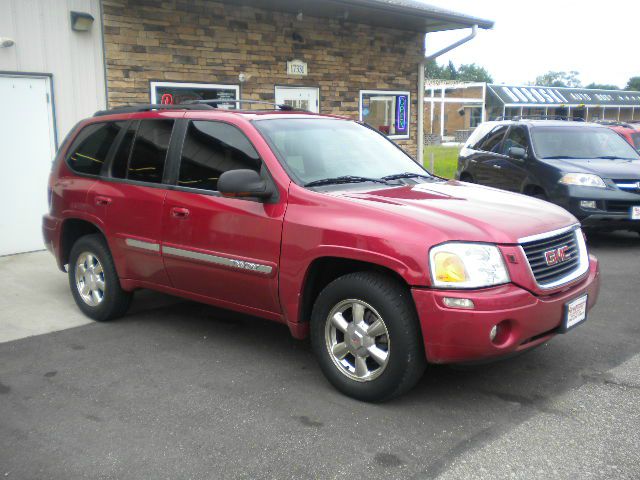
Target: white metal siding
(45, 43)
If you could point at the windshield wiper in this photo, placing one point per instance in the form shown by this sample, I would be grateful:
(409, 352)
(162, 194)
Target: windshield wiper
(398, 176)
(611, 157)
(344, 179)
(559, 157)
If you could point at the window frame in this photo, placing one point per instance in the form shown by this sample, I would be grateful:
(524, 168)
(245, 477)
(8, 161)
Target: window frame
(153, 84)
(106, 166)
(506, 127)
(406, 136)
(176, 161)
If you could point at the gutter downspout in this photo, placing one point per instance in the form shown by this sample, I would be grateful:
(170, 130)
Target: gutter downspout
(421, 67)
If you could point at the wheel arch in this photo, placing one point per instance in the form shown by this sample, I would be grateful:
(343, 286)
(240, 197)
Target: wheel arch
(71, 230)
(323, 270)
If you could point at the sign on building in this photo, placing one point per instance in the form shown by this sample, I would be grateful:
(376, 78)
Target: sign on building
(297, 67)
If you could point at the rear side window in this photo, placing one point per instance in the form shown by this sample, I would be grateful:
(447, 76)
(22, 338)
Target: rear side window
(636, 140)
(146, 160)
(491, 142)
(90, 149)
(212, 148)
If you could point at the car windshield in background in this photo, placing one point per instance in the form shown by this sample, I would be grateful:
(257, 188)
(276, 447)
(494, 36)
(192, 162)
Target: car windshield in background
(580, 142)
(314, 150)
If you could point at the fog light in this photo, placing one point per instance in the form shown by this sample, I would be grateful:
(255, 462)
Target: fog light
(493, 333)
(458, 302)
(588, 204)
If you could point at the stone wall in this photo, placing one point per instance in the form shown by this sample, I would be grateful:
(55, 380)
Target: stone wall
(212, 42)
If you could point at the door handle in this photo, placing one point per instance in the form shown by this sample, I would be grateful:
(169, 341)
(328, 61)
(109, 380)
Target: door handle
(103, 201)
(179, 212)
(497, 166)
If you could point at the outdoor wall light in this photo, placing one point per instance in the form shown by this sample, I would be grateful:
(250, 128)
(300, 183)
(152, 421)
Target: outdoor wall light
(81, 21)
(6, 42)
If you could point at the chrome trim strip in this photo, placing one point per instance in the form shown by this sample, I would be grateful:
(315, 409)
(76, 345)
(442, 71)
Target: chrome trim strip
(553, 233)
(132, 242)
(216, 260)
(631, 186)
(583, 266)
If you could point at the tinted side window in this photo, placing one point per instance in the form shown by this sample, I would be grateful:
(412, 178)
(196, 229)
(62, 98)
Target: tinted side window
(150, 151)
(212, 148)
(517, 138)
(89, 150)
(491, 142)
(120, 163)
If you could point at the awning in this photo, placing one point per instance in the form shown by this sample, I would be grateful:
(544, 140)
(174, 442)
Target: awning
(412, 15)
(555, 96)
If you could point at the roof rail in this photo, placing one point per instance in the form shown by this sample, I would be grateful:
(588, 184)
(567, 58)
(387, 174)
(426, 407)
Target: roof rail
(539, 117)
(215, 103)
(148, 107)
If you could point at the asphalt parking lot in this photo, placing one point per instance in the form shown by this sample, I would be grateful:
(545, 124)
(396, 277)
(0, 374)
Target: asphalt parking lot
(181, 390)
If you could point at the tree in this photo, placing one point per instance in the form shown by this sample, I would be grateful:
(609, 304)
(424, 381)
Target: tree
(633, 84)
(602, 86)
(474, 73)
(465, 73)
(559, 79)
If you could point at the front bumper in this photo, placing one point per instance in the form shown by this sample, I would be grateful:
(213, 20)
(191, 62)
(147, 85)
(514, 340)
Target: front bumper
(453, 335)
(612, 212)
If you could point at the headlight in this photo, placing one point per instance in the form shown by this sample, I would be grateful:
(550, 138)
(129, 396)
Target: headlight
(467, 265)
(583, 180)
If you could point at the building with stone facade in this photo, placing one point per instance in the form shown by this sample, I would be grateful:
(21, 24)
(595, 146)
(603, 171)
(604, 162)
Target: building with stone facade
(65, 59)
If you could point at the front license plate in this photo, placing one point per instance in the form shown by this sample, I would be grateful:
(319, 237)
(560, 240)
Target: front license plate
(575, 312)
(635, 213)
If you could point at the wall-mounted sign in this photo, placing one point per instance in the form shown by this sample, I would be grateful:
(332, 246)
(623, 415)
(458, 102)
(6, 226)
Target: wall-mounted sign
(402, 114)
(297, 67)
(180, 92)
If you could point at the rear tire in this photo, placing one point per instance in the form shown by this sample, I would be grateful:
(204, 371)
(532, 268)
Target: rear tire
(93, 280)
(366, 336)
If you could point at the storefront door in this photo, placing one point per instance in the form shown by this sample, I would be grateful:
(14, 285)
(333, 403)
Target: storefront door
(304, 98)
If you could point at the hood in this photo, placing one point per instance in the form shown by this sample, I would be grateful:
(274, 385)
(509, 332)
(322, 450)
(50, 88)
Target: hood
(463, 211)
(618, 169)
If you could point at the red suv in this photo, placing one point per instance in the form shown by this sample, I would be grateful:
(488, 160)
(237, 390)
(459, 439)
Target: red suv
(628, 131)
(317, 222)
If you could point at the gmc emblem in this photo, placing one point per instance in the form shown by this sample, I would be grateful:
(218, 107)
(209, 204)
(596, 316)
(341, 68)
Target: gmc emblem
(557, 255)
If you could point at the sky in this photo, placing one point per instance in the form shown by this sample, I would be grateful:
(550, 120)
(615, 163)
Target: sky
(601, 40)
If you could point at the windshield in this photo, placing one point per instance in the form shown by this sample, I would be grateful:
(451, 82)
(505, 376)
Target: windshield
(580, 142)
(315, 149)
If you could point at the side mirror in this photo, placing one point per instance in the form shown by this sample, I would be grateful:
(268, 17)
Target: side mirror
(518, 153)
(243, 183)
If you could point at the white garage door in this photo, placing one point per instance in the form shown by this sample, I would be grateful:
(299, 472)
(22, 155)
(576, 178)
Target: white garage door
(27, 148)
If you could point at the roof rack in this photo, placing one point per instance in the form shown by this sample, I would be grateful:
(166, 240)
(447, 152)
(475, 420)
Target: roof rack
(148, 107)
(539, 117)
(215, 103)
(614, 123)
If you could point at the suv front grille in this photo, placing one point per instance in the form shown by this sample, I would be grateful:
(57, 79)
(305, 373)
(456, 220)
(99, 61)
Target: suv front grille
(628, 185)
(538, 249)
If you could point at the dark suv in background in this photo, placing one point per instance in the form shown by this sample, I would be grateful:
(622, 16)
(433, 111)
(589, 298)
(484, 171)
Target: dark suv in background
(586, 168)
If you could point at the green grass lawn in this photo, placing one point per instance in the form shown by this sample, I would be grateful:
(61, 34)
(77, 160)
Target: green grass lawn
(445, 160)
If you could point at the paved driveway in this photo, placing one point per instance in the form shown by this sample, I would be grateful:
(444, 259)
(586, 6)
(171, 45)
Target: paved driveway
(181, 390)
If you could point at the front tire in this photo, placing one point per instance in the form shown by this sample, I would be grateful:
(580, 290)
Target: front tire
(366, 336)
(93, 280)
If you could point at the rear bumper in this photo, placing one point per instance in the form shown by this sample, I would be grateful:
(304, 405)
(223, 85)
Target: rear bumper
(453, 335)
(51, 236)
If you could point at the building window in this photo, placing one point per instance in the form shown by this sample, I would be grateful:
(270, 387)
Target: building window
(180, 92)
(386, 111)
(475, 116)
